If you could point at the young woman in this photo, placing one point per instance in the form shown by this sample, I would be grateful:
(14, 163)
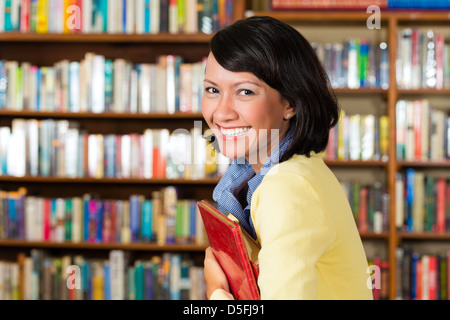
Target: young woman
(268, 101)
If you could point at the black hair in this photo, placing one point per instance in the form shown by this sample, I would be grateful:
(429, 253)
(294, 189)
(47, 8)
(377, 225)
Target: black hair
(280, 56)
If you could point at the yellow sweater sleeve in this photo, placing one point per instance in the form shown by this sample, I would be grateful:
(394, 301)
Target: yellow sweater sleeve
(295, 230)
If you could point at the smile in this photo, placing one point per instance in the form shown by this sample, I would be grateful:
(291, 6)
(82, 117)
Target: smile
(235, 132)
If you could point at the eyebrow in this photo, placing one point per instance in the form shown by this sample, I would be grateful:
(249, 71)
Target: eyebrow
(236, 84)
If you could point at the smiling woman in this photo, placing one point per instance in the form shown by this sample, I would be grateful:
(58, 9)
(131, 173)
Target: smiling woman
(268, 101)
(246, 115)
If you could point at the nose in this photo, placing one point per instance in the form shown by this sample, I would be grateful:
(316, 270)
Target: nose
(225, 109)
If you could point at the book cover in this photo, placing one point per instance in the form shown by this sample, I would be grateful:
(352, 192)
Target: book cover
(429, 64)
(368, 137)
(117, 274)
(430, 203)
(235, 251)
(440, 205)
(418, 214)
(410, 173)
(139, 280)
(42, 16)
(135, 217)
(355, 137)
(447, 206)
(170, 198)
(363, 219)
(149, 280)
(147, 223)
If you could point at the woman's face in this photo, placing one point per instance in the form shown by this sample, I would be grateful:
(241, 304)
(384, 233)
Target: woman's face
(245, 114)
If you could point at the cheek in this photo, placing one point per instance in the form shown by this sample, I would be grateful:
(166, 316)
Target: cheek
(207, 112)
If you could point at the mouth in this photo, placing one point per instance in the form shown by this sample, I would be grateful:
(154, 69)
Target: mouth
(234, 132)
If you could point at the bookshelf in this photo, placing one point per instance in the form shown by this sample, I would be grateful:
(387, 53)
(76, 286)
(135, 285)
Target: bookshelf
(48, 48)
(315, 26)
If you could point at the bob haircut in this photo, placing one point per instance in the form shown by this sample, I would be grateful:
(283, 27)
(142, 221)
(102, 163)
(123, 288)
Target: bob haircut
(280, 56)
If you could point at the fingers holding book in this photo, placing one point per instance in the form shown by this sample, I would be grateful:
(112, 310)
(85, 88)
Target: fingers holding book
(215, 278)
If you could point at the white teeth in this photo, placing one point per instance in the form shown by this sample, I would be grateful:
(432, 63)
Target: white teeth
(234, 132)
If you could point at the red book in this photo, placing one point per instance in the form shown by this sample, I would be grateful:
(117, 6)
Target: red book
(235, 251)
(326, 4)
(384, 289)
(363, 219)
(25, 15)
(440, 205)
(432, 278)
(46, 219)
(378, 283)
(417, 105)
(440, 61)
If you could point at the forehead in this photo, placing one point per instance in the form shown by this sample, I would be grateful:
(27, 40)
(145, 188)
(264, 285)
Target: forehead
(216, 73)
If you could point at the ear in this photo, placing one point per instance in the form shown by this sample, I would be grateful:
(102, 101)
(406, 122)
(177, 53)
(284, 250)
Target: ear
(288, 109)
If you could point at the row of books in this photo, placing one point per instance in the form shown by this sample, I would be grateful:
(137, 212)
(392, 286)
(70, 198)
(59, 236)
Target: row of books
(42, 276)
(422, 202)
(98, 84)
(60, 148)
(418, 4)
(163, 218)
(370, 205)
(119, 16)
(359, 137)
(422, 276)
(355, 63)
(423, 59)
(422, 131)
(356, 4)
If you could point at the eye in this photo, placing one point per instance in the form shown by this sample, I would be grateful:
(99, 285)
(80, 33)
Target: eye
(246, 92)
(211, 90)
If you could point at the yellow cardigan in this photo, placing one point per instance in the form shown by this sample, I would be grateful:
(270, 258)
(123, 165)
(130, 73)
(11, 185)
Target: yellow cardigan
(310, 246)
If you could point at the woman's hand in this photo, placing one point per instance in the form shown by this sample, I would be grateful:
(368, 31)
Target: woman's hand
(215, 278)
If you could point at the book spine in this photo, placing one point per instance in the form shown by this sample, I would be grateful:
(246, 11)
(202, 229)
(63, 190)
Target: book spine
(135, 213)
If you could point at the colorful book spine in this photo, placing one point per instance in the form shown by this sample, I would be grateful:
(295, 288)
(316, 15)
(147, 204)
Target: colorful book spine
(426, 275)
(355, 63)
(88, 219)
(421, 131)
(424, 202)
(114, 278)
(153, 154)
(369, 204)
(422, 61)
(97, 84)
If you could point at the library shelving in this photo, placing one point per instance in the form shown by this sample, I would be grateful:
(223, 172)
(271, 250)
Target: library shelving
(315, 26)
(46, 48)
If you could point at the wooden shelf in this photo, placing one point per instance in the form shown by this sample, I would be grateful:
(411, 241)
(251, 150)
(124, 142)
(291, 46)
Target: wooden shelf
(423, 236)
(425, 164)
(360, 91)
(66, 180)
(103, 115)
(423, 91)
(357, 15)
(373, 235)
(105, 38)
(356, 163)
(103, 246)
(316, 16)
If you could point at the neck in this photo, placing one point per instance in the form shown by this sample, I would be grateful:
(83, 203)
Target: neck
(257, 160)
